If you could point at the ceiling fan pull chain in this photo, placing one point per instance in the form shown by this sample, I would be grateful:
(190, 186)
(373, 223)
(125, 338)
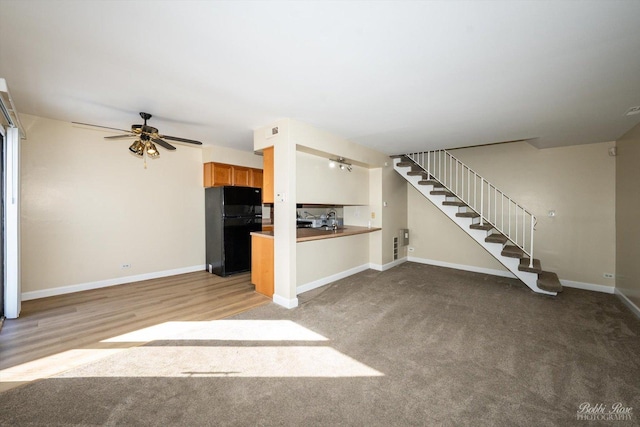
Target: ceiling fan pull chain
(145, 160)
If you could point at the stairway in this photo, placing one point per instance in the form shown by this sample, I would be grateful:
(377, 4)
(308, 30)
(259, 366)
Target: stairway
(478, 208)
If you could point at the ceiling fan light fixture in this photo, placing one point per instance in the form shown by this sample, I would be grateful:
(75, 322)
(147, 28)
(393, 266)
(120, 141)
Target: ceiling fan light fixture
(144, 133)
(152, 151)
(137, 148)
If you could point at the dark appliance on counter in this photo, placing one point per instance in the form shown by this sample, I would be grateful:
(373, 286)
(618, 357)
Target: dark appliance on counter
(231, 214)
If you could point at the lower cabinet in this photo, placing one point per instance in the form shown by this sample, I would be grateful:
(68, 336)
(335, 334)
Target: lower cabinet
(262, 264)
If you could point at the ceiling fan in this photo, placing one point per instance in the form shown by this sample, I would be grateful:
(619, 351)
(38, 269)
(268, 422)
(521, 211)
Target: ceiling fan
(145, 137)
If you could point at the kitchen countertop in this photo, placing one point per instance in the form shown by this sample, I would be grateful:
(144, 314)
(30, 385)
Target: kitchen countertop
(309, 234)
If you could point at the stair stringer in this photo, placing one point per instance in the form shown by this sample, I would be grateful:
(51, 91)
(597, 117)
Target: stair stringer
(529, 279)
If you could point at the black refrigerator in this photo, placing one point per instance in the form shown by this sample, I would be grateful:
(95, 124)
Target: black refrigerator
(231, 213)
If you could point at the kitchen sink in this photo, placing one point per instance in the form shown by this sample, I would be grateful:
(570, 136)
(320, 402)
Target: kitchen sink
(328, 228)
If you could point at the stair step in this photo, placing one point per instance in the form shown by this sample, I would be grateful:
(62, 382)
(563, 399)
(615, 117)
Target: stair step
(404, 164)
(453, 203)
(548, 281)
(496, 238)
(417, 173)
(485, 226)
(467, 215)
(524, 265)
(442, 193)
(429, 182)
(512, 252)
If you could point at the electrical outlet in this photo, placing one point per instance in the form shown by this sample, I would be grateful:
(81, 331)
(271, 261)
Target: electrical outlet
(607, 276)
(373, 215)
(411, 249)
(126, 266)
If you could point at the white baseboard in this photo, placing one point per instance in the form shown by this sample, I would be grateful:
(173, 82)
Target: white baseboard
(490, 271)
(634, 308)
(26, 296)
(568, 283)
(284, 302)
(588, 286)
(326, 280)
(388, 265)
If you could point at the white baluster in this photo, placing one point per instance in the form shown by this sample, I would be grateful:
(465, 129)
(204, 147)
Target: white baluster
(502, 210)
(524, 228)
(509, 232)
(482, 201)
(516, 232)
(531, 250)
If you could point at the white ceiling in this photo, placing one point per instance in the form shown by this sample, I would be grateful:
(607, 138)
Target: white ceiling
(395, 76)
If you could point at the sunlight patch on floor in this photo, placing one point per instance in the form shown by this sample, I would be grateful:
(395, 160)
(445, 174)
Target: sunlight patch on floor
(185, 361)
(208, 360)
(223, 330)
(51, 365)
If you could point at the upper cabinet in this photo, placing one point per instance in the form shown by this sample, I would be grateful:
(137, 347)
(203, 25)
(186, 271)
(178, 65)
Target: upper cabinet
(267, 186)
(241, 176)
(219, 174)
(255, 178)
(216, 174)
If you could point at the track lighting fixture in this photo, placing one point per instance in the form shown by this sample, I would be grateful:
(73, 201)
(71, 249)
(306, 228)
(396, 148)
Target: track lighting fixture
(342, 162)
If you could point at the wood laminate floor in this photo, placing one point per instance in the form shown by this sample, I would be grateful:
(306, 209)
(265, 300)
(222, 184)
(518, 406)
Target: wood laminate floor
(56, 333)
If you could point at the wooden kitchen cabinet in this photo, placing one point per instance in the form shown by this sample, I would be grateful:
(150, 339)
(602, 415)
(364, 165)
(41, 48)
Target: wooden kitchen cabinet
(267, 179)
(241, 176)
(255, 178)
(219, 174)
(262, 264)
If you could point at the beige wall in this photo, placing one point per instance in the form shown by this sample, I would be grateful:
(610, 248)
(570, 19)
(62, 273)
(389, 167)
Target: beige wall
(627, 209)
(435, 237)
(319, 259)
(231, 157)
(316, 182)
(395, 213)
(89, 206)
(578, 182)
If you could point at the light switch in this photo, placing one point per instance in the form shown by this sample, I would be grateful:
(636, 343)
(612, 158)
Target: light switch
(280, 197)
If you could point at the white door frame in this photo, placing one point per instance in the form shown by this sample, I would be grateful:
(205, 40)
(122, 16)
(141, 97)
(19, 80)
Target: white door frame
(12, 294)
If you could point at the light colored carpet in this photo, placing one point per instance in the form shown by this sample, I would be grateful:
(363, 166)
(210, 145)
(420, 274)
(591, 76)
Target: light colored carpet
(415, 345)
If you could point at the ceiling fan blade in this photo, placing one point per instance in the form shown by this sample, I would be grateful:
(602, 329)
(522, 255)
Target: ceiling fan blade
(120, 136)
(163, 143)
(96, 126)
(188, 141)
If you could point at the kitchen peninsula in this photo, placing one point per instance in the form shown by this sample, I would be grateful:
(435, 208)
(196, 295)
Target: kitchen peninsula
(262, 251)
(308, 234)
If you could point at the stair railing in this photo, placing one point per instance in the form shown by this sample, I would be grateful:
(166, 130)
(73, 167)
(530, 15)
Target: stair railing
(494, 207)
